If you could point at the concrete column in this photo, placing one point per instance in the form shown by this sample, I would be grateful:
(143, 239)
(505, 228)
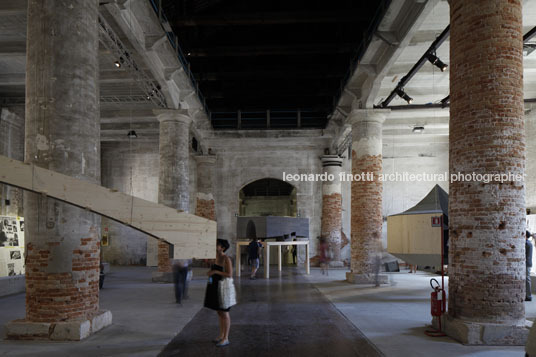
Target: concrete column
(174, 174)
(331, 225)
(205, 199)
(486, 136)
(62, 134)
(366, 195)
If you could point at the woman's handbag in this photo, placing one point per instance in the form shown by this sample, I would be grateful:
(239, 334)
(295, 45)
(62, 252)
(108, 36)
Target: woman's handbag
(226, 293)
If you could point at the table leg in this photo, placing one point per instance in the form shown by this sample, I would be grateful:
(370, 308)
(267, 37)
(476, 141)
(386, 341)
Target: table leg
(307, 266)
(267, 262)
(238, 262)
(279, 258)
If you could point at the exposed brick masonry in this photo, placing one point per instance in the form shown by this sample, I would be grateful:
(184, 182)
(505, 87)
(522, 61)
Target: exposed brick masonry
(205, 209)
(366, 225)
(486, 135)
(164, 261)
(52, 297)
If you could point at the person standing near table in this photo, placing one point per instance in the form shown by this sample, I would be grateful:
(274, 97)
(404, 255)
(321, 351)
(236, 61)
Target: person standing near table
(254, 252)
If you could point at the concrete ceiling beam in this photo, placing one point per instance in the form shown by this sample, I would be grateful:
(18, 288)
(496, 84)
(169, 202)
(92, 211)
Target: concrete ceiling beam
(12, 79)
(14, 7)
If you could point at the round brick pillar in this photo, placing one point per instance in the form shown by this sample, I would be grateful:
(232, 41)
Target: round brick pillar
(486, 136)
(62, 134)
(331, 225)
(367, 219)
(205, 206)
(174, 174)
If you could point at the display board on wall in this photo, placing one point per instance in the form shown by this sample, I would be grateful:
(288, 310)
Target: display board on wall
(11, 246)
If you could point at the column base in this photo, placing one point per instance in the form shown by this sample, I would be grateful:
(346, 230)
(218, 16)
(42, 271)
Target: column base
(336, 264)
(73, 330)
(480, 333)
(355, 278)
(162, 277)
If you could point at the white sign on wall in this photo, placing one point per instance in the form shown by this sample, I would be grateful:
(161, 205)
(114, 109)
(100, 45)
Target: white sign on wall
(11, 246)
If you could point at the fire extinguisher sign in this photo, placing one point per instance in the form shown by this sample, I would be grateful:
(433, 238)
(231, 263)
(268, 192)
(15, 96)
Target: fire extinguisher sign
(436, 221)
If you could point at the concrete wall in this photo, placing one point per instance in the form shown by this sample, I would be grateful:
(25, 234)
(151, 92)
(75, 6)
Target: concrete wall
(264, 206)
(399, 196)
(11, 145)
(132, 169)
(249, 158)
(530, 162)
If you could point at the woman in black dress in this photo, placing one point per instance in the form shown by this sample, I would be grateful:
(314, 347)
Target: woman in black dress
(221, 269)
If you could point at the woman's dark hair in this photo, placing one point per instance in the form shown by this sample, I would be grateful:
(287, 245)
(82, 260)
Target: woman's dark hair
(223, 243)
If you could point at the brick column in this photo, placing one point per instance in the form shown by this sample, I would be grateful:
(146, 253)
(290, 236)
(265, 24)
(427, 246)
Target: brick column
(174, 175)
(366, 225)
(331, 226)
(205, 206)
(486, 136)
(62, 134)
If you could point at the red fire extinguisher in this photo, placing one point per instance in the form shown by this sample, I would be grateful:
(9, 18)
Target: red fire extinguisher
(438, 305)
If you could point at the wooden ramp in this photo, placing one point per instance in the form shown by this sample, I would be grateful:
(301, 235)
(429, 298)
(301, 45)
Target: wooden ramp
(192, 236)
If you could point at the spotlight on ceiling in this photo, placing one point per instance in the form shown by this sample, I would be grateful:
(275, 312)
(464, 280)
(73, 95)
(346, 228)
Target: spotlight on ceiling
(132, 134)
(400, 92)
(119, 62)
(418, 129)
(436, 62)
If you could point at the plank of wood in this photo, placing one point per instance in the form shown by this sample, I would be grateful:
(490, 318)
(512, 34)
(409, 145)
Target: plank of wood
(192, 236)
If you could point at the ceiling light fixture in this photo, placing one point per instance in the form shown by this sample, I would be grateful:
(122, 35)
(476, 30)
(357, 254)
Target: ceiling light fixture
(119, 62)
(132, 134)
(418, 129)
(400, 92)
(436, 61)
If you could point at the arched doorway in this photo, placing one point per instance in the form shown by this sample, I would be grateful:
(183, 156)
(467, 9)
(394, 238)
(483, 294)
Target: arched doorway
(268, 197)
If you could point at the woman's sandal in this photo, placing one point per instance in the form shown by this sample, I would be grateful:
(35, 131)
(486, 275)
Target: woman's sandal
(217, 340)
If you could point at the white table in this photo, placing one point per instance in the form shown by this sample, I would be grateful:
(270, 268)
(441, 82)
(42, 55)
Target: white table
(267, 246)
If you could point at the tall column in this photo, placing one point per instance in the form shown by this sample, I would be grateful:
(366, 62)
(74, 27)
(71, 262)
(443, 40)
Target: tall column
(486, 136)
(62, 134)
(331, 225)
(205, 206)
(366, 224)
(174, 174)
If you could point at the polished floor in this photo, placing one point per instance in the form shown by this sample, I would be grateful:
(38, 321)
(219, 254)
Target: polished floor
(285, 316)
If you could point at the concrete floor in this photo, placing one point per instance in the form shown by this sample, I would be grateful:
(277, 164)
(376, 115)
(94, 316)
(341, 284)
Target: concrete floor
(146, 319)
(394, 317)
